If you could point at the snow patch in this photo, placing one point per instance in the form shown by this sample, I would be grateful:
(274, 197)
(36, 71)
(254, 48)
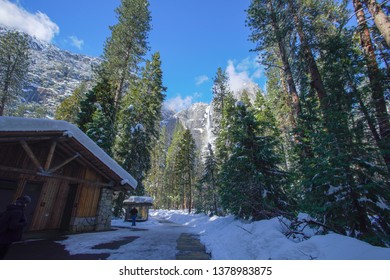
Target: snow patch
(139, 199)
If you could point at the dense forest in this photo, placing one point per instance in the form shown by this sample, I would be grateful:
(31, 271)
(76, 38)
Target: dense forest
(315, 140)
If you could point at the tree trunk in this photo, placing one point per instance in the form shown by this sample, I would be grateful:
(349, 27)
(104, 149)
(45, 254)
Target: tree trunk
(286, 66)
(381, 20)
(316, 79)
(374, 75)
(122, 78)
(296, 104)
(2, 104)
(290, 82)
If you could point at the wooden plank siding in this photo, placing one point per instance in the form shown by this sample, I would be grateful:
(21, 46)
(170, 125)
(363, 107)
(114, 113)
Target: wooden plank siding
(50, 206)
(88, 199)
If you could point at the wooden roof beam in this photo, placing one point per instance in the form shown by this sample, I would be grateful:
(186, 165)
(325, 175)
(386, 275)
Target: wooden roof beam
(110, 184)
(31, 155)
(62, 164)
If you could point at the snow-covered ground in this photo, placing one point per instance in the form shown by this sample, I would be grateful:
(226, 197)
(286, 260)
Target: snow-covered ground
(226, 238)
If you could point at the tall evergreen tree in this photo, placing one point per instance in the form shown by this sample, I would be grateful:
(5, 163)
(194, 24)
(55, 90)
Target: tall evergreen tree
(208, 183)
(154, 181)
(127, 45)
(138, 121)
(250, 181)
(14, 63)
(220, 92)
(185, 168)
(172, 178)
(271, 29)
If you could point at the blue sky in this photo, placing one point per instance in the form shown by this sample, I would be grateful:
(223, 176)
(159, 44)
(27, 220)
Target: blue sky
(194, 38)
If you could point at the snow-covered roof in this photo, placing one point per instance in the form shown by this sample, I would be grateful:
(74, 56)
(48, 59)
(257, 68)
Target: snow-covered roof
(139, 199)
(15, 124)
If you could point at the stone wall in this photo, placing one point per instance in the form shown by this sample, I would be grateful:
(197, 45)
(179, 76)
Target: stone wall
(82, 224)
(104, 212)
(102, 220)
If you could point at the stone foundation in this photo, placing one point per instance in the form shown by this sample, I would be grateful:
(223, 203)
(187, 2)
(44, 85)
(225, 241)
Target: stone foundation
(104, 212)
(102, 221)
(81, 224)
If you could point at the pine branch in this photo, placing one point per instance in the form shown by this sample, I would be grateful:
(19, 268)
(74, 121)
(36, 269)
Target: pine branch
(245, 229)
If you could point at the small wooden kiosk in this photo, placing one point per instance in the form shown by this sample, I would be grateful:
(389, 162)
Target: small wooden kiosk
(141, 203)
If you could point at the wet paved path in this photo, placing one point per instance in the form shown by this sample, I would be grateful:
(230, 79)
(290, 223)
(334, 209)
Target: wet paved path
(164, 241)
(190, 248)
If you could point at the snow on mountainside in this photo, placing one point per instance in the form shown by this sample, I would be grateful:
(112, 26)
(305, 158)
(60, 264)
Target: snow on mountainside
(54, 73)
(197, 118)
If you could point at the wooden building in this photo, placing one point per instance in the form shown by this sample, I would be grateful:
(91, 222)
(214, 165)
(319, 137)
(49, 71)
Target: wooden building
(69, 178)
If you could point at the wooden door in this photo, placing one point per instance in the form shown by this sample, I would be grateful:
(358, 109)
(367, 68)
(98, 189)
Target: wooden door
(68, 209)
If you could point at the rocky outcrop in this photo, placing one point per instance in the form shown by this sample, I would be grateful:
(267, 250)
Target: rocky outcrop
(197, 118)
(54, 73)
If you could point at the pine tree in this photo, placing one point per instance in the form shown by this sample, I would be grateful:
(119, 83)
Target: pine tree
(154, 181)
(100, 97)
(87, 108)
(207, 187)
(69, 108)
(172, 179)
(131, 143)
(250, 181)
(185, 168)
(100, 130)
(220, 92)
(138, 121)
(271, 31)
(14, 63)
(127, 45)
(333, 180)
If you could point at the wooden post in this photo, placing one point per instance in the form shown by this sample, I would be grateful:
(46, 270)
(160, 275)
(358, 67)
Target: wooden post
(50, 155)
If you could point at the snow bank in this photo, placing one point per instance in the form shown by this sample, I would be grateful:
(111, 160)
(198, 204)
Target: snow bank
(230, 239)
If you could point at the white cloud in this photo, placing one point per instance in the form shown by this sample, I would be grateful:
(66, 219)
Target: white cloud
(242, 75)
(178, 103)
(76, 42)
(201, 79)
(16, 17)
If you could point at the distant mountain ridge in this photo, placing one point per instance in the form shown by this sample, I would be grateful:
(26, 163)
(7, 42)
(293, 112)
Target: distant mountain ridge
(54, 73)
